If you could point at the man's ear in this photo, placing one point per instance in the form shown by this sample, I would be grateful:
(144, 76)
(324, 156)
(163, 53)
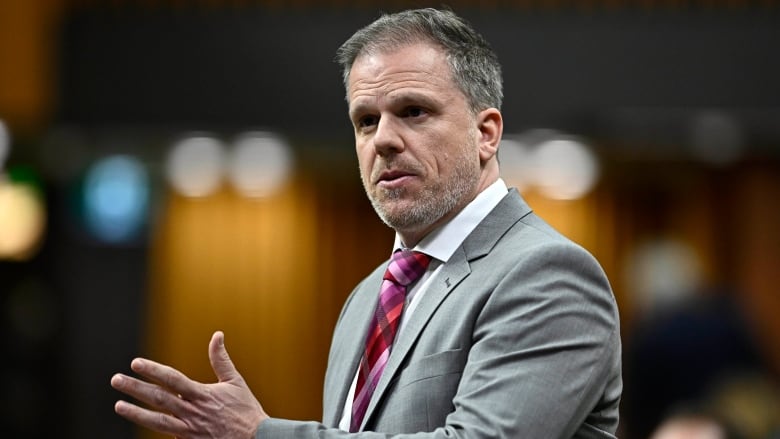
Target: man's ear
(491, 126)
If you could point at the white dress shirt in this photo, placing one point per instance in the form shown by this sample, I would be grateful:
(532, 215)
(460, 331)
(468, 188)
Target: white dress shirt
(440, 244)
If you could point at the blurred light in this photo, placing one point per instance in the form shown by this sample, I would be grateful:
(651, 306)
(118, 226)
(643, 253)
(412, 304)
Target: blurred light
(515, 158)
(195, 166)
(5, 143)
(716, 138)
(260, 164)
(564, 169)
(116, 194)
(22, 220)
(664, 272)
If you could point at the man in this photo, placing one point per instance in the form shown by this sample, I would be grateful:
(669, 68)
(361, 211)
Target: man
(510, 332)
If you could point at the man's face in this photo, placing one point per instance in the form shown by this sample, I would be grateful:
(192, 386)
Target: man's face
(416, 139)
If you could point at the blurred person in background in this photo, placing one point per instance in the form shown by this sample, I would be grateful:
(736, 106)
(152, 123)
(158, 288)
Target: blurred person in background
(741, 406)
(680, 352)
(487, 324)
(693, 425)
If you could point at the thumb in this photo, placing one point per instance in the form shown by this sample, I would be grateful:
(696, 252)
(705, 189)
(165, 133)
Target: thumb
(220, 360)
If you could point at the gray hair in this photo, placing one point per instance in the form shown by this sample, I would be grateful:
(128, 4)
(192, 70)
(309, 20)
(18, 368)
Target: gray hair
(474, 66)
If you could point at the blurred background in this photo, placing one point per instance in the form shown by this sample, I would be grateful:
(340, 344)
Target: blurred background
(173, 167)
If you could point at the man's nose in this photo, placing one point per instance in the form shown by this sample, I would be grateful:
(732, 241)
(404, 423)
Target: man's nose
(387, 138)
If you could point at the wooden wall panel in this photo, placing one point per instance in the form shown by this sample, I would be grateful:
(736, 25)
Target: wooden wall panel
(246, 267)
(757, 257)
(27, 29)
(272, 274)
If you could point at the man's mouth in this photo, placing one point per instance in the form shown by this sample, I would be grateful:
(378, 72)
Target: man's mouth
(393, 178)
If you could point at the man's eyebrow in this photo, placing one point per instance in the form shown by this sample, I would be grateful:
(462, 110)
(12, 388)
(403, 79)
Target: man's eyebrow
(400, 99)
(358, 108)
(412, 98)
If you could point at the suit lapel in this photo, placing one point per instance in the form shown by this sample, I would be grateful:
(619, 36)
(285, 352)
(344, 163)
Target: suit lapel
(484, 237)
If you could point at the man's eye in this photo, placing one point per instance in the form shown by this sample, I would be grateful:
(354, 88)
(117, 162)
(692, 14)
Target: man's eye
(367, 121)
(414, 112)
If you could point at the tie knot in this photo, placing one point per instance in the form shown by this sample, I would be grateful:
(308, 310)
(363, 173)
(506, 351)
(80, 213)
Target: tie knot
(406, 267)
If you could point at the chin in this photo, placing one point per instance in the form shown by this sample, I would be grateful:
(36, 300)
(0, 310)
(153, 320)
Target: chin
(395, 217)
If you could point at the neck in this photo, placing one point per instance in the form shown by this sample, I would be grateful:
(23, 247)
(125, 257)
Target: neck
(411, 237)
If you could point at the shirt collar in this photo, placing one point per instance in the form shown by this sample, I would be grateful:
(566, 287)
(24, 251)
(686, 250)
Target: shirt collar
(442, 242)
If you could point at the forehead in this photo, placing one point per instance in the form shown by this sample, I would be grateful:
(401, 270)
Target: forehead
(419, 67)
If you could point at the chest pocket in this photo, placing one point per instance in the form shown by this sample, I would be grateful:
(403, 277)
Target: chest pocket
(432, 366)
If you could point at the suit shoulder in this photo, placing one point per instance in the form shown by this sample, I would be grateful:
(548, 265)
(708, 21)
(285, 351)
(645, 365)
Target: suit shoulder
(533, 233)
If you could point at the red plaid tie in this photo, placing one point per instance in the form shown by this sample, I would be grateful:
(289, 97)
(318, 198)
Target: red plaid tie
(405, 267)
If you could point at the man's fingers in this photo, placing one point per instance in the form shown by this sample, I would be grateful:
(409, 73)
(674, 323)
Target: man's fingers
(159, 422)
(220, 360)
(167, 376)
(148, 393)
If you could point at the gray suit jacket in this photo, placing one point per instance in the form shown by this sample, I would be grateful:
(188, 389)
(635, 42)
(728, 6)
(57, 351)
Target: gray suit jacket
(517, 337)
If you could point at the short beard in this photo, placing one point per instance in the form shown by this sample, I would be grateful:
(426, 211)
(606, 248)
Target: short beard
(433, 202)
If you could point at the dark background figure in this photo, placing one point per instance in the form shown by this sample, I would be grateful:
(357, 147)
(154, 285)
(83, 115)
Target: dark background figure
(679, 355)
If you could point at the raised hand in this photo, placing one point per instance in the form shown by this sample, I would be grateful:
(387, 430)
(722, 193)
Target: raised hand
(188, 409)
